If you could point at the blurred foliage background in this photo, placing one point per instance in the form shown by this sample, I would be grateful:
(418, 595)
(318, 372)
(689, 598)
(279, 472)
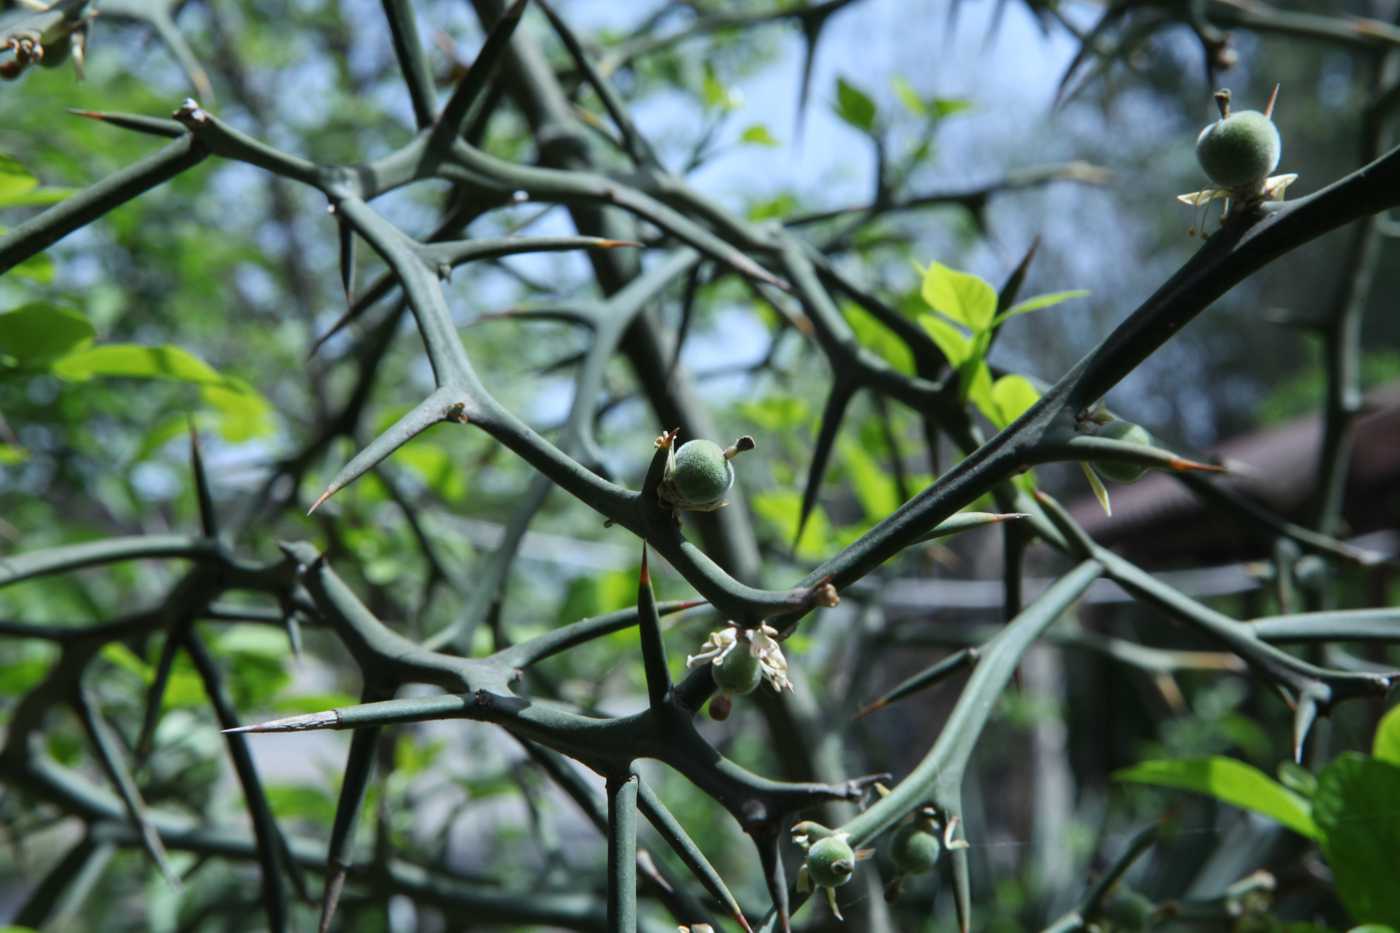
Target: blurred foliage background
(234, 274)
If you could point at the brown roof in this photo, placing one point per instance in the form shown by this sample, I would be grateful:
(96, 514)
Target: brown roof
(1158, 521)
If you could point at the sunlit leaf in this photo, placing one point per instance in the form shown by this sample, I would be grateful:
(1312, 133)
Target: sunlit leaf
(908, 96)
(781, 508)
(1012, 396)
(758, 135)
(874, 488)
(34, 334)
(1386, 745)
(966, 298)
(1357, 809)
(954, 343)
(876, 337)
(136, 361)
(1228, 781)
(1048, 300)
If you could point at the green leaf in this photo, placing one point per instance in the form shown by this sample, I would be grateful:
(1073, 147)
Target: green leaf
(714, 94)
(954, 344)
(780, 508)
(35, 334)
(876, 337)
(1048, 300)
(243, 413)
(435, 466)
(948, 106)
(777, 412)
(136, 361)
(758, 135)
(874, 488)
(1097, 487)
(908, 96)
(1386, 745)
(38, 268)
(1357, 808)
(854, 106)
(1012, 395)
(1228, 781)
(15, 181)
(10, 455)
(975, 386)
(24, 665)
(301, 802)
(774, 208)
(966, 298)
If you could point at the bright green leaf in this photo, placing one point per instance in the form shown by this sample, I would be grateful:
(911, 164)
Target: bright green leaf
(874, 488)
(774, 208)
(758, 135)
(876, 337)
(908, 96)
(1386, 744)
(1050, 299)
(947, 106)
(10, 455)
(954, 344)
(15, 181)
(1012, 395)
(781, 508)
(777, 412)
(715, 94)
(35, 334)
(975, 386)
(854, 106)
(1357, 808)
(136, 361)
(1228, 781)
(966, 298)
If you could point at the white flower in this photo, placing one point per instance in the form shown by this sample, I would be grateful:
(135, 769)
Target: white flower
(760, 641)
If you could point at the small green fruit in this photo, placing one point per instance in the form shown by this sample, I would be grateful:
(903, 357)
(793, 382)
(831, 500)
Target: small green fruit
(1130, 433)
(1240, 150)
(738, 672)
(700, 473)
(830, 862)
(1128, 910)
(915, 849)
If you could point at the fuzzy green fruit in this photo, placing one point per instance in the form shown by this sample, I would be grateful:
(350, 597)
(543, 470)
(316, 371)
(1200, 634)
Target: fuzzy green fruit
(1130, 433)
(915, 849)
(738, 672)
(830, 862)
(697, 476)
(1240, 150)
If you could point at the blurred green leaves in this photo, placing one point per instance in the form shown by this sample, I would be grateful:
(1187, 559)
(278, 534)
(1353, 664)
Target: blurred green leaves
(854, 106)
(1229, 781)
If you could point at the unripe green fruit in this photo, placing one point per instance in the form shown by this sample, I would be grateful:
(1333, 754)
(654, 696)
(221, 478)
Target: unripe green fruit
(57, 51)
(1130, 433)
(700, 473)
(738, 672)
(1128, 910)
(914, 849)
(1239, 150)
(830, 862)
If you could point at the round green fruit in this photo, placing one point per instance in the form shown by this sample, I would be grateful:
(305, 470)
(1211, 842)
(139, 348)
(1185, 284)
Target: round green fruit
(915, 849)
(57, 51)
(1240, 150)
(699, 475)
(830, 862)
(738, 672)
(1128, 432)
